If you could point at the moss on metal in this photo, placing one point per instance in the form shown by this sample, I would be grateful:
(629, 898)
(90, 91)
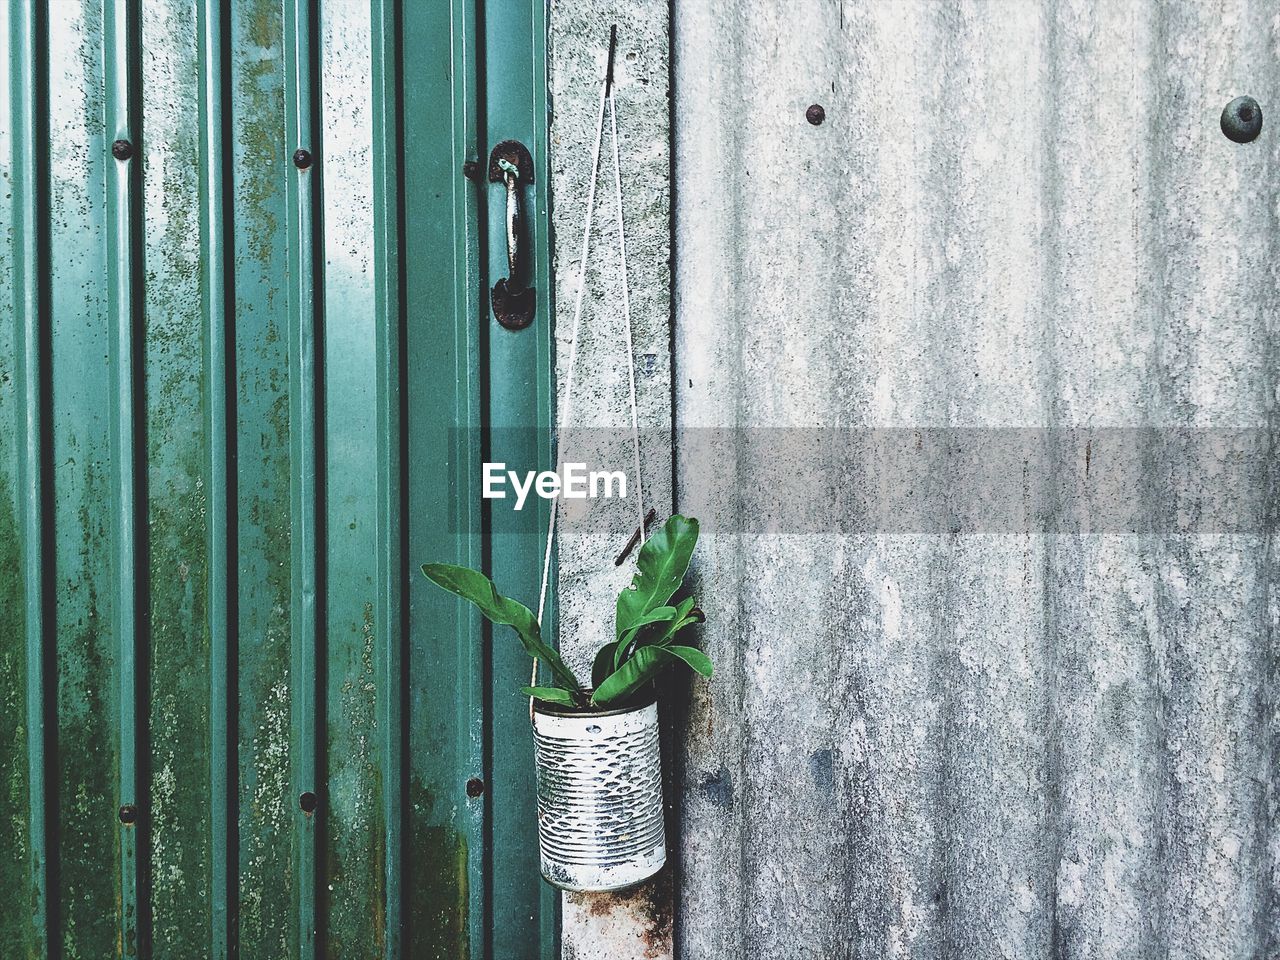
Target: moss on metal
(437, 893)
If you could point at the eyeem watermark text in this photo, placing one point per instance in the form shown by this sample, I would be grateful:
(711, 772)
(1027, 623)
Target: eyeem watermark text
(574, 483)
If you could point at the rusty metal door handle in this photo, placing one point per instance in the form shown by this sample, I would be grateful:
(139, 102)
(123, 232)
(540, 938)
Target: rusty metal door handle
(513, 303)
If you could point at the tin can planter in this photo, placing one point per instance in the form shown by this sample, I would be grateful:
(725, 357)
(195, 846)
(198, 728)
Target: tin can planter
(599, 775)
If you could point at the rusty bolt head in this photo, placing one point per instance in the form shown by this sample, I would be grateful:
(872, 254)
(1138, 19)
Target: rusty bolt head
(308, 802)
(475, 787)
(815, 114)
(301, 158)
(471, 169)
(122, 149)
(1242, 120)
(128, 814)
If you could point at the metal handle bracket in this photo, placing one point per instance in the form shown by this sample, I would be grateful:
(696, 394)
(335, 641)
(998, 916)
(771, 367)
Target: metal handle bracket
(513, 303)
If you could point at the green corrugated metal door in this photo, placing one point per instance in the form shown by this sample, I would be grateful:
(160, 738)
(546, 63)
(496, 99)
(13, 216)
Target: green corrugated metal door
(240, 393)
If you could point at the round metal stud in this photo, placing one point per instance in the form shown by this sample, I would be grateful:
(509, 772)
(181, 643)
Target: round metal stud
(815, 114)
(308, 802)
(122, 149)
(128, 814)
(1242, 120)
(475, 787)
(301, 158)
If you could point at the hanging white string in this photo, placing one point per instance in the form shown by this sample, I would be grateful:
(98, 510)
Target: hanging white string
(626, 313)
(566, 400)
(566, 407)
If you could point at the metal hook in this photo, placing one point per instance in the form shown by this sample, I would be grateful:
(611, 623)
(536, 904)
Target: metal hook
(635, 538)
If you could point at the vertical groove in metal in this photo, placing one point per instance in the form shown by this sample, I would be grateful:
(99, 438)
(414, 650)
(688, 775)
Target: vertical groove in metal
(391, 574)
(29, 146)
(469, 325)
(219, 340)
(443, 882)
(545, 365)
(484, 556)
(519, 394)
(304, 432)
(120, 26)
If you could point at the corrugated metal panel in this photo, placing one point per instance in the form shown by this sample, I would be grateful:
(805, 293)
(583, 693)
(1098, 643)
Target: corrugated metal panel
(444, 880)
(519, 399)
(23, 503)
(267, 851)
(229, 416)
(184, 369)
(1001, 745)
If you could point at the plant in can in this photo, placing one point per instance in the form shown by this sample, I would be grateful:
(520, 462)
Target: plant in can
(647, 624)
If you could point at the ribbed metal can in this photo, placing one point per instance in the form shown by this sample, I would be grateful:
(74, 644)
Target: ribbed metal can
(600, 824)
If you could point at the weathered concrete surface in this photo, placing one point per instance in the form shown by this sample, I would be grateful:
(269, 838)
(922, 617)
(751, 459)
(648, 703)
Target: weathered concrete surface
(638, 925)
(1015, 214)
(635, 924)
(579, 47)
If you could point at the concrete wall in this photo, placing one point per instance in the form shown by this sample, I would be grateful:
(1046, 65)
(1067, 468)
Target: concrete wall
(988, 739)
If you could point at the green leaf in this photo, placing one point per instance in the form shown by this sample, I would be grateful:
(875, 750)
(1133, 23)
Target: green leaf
(476, 587)
(660, 570)
(610, 656)
(639, 669)
(657, 615)
(675, 628)
(678, 622)
(660, 615)
(550, 695)
(693, 657)
(602, 666)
